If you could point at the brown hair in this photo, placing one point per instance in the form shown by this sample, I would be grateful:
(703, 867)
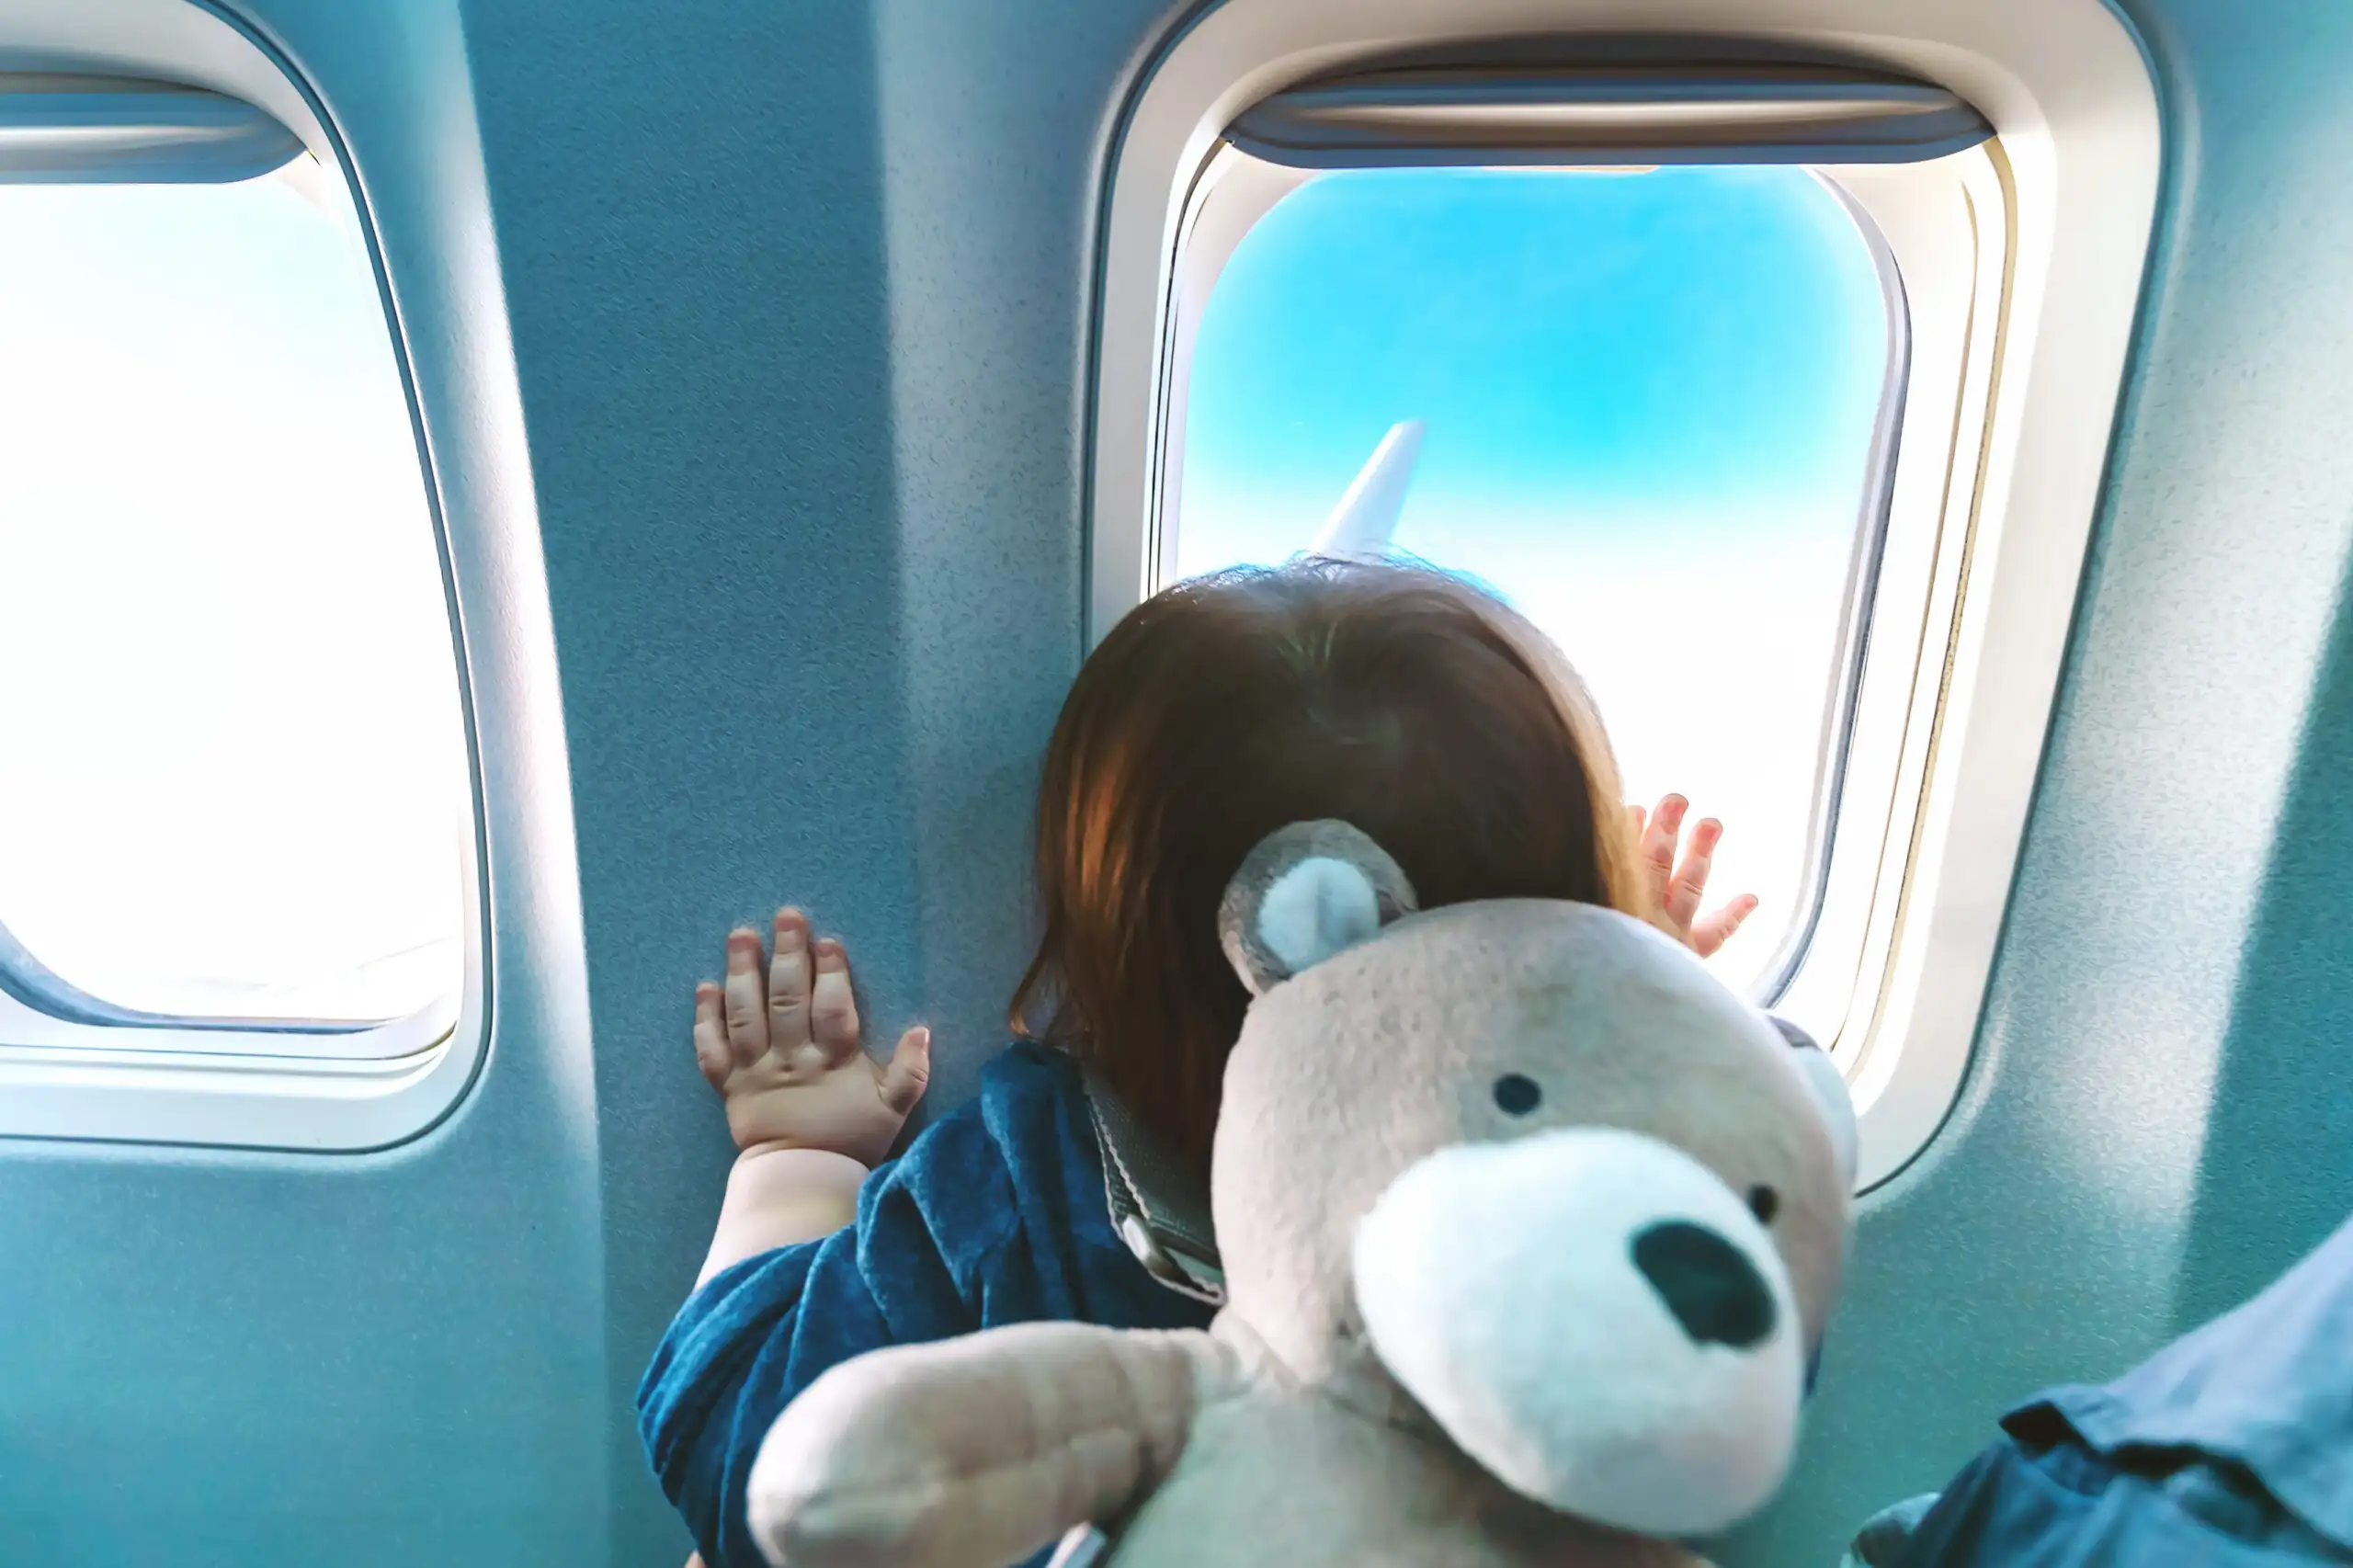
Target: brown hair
(1395, 697)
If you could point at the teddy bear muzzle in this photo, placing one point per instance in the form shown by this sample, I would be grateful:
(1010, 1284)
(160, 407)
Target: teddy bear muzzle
(1595, 1318)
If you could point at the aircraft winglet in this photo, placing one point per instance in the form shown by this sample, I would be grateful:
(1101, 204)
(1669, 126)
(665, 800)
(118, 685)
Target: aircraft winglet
(1360, 526)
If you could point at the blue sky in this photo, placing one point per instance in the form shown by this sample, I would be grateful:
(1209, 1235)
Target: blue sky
(1685, 341)
(1649, 400)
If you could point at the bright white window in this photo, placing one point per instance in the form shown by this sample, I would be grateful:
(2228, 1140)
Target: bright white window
(235, 807)
(1647, 401)
(1775, 385)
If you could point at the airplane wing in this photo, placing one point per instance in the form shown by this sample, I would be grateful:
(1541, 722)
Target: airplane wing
(1360, 526)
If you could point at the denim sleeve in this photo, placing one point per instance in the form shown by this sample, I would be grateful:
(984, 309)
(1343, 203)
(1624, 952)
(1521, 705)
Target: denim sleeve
(936, 1250)
(2022, 1505)
(1884, 1536)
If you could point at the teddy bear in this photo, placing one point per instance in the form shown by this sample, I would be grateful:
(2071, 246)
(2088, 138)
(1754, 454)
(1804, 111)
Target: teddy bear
(1530, 1228)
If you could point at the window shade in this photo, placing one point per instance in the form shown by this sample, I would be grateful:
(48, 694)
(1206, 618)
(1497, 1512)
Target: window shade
(1608, 113)
(61, 129)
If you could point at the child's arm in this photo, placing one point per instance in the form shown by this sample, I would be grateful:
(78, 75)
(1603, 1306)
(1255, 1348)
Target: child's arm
(811, 1112)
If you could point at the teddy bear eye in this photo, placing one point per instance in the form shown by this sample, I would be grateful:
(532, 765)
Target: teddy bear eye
(1516, 1095)
(1763, 1202)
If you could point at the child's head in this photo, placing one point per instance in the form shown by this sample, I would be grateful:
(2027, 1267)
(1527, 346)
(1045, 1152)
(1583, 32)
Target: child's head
(1394, 698)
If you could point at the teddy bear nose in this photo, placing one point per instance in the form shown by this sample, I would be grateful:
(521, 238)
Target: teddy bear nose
(1708, 1283)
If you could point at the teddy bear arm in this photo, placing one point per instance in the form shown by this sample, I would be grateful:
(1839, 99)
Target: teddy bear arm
(975, 1452)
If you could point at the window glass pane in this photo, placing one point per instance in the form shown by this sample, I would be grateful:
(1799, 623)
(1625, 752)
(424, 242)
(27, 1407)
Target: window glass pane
(1649, 400)
(233, 784)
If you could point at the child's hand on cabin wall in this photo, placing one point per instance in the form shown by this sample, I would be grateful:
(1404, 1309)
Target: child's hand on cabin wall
(780, 1041)
(1676, 891)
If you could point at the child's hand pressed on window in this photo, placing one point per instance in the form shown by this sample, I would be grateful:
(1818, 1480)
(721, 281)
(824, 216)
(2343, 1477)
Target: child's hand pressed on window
(782, 1049)
(1676, 891)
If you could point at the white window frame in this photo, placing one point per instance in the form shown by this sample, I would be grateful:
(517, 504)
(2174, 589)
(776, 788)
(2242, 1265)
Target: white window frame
(301, 1087)
(2018, 332)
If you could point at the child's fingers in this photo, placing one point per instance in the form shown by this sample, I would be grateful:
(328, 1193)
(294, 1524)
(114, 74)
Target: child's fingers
(1690, 882)
(1716, 929)
(833, 1007)
(1658, 844)
(748, 1004)
(908, 1070)
(711, 1035)
(788, 983)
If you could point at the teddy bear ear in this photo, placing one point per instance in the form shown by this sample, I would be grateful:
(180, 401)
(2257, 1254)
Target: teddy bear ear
(1829, 1087)
(1307, 892)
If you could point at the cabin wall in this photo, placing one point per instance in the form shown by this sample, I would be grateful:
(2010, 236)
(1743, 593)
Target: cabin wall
(797, 296)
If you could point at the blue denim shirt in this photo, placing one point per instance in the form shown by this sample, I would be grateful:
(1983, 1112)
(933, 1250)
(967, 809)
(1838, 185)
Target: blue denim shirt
(997, 1214)
(2230, 1447)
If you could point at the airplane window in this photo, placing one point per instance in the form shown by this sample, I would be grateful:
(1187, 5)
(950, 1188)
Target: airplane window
(1640, 404)
(237, 787)
(1705, 356)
